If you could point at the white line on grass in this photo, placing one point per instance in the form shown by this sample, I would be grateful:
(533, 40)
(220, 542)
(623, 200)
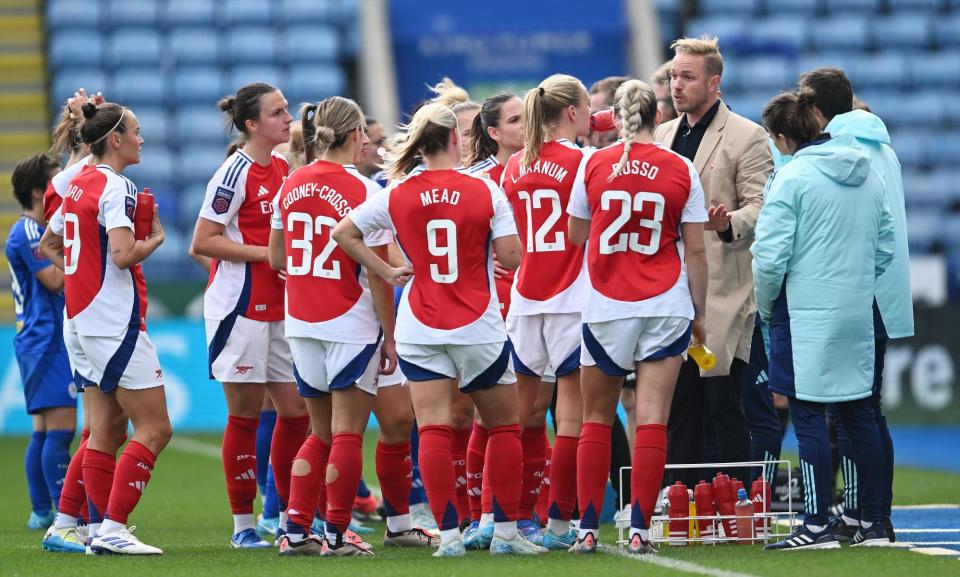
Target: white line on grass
(899, 530)
(679, 565)
(937, 551)
(194, 447)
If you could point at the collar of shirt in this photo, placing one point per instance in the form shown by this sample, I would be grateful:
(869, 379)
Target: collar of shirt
(704, 122)
(818, 140)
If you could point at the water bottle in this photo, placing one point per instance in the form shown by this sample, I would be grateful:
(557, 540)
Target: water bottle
(678, 512)
(703, 497)
(143, 216)
(726, 499)
(603, 121)
(744, 512)
(760, 495)
(703, 356)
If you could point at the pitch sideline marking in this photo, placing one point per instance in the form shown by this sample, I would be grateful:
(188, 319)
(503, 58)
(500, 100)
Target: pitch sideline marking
(194, 447)
(678, 565)
(939, 551)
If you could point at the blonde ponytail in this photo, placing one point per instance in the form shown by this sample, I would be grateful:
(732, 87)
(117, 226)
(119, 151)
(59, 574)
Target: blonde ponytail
(636, 106)
(543, 106)
(448, 93)
(428, 133)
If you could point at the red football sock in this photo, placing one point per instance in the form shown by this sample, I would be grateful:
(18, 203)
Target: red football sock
(239, 453)
(461, 440)
(394, 469)
(436, 468)
(563, 478)
(305, 488)
(133, 473)
(72, 496)
(288, 437)
(476, 453)
(593, 468)
(533, 442)
(98, 470)
(343, 477)
(649, 459)
(543, 501)
(505, 451)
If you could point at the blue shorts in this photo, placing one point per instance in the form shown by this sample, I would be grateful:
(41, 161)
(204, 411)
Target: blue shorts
(47, 380)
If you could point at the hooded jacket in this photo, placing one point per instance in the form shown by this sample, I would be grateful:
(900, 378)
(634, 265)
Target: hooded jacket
(823, 237)
(894, 297)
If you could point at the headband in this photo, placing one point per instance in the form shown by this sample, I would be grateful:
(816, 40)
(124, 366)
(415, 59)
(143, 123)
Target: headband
(122, 111)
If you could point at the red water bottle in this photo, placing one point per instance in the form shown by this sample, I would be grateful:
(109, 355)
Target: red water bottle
(703, 497)
(744, 513)
(737, 485)
(679, 512)
(760, 495)
(143, 217)
(726, 499)
(603, 121)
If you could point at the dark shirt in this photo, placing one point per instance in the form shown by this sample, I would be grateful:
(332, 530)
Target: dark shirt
(688, 137)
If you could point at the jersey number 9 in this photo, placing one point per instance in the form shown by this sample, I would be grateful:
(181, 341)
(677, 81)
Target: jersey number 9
(448, 250)
(71, 242)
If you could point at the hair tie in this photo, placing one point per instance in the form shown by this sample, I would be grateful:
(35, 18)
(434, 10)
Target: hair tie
(542, 91)
(122, 112)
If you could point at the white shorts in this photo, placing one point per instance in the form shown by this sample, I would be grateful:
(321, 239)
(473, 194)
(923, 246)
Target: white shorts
(325, 366)
(545, 344)
(79, 363)
(616, 346)
(478, 366)
(397, 378)
(128, 361)
(240, 350)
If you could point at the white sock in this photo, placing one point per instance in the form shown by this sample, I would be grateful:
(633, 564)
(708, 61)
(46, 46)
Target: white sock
(242, 522)
(296, 537)
(448, 535)
(558, 526)
(399, 523)
(63, 520)
(815, 528)
(644, 534)
(332, 537)
(850, 521)
(582, 533)
(866, 524)
(486, 519)
(108, 526)
(283, 520)
(506, 530)
(93, 529)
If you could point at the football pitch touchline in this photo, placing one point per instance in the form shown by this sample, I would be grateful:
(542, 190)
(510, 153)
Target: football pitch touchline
(678, 565)
(193, 447)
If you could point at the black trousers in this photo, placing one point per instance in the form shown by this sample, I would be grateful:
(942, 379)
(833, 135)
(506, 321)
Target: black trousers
(695, 400)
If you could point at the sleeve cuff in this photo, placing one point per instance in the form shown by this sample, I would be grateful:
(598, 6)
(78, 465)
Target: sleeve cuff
(727, 235)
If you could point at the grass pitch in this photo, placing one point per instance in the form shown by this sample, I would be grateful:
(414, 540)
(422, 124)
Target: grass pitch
(185, 512)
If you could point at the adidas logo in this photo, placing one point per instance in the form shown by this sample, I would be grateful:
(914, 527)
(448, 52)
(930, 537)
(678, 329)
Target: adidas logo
(138, 485)
(143, 466)
(248, 475)
(262, 192)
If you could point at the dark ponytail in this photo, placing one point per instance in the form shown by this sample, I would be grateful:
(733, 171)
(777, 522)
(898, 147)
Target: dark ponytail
(245, 104)
(307, 114)
(793, 115)
(99, 121)
(482, 145)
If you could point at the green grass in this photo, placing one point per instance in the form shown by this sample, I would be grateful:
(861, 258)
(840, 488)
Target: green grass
(185, 512)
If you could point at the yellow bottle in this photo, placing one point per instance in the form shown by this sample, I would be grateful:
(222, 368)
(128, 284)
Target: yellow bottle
(703, 356)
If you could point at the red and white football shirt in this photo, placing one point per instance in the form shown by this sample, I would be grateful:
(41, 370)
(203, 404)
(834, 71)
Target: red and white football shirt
(102, 300)
(328, 297)
(635, 253)
(239, 196)
(492, 169)
(445, 222)
(551, 276)
(57, 188)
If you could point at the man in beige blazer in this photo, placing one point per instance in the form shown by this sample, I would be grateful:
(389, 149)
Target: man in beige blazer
(733, 158)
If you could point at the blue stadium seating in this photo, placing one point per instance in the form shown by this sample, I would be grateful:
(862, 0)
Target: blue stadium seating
(250, 45)
(841, 32)
(133, 47)
(947, 30)
(138, 86)
(246, 12)
(729, 6)
(201, 124)
(313, 83)
(911, 147)
(944, 147)
(935, 69)
(723, 27)
(70, 13)
(198, 162)
(314, 43)
(913, 5)
(923, 228)
(886, 69)
(801, 6)
(190, 12)
(75, 47)
(765, 72)
(198, 84)
(854, 6)
(790, 31)
(68, 80)
(133, 13)
(155, 168)
(296, 12)
(241, 75)
(903, 31)
(194, 45)
(153, 126)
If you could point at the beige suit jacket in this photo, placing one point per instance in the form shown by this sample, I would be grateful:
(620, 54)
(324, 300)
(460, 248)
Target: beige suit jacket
(734, 162)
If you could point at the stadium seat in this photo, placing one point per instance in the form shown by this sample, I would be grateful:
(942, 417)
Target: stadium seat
(307, 44)
(67, 80)
(296, 12)
(313, 83)
(914, 5)
(788, 31)
(951, 113)
(246, 12)
(132, 47)
(941, 68)
(124, 13)
(75, 47)
(72, 14)
(749, 104)
(794, 6)
(241, 75)
(912, 109)
(138, 86)
(708, 7)
(944, 147)
(911, 147)
(201, 124)
(348, 12)
(153, 126)
(856, 6)
(194, 45)
(842, 60)
(923, 190)
(724, 27)
(840, 32)
(156, 166)
(198, 163)
(190, 13)
(902, 31)
(250, 45)
(880, 70)
(951, 230)
(947, 29)
(923, 227)
(200, 85)
(766, 72)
